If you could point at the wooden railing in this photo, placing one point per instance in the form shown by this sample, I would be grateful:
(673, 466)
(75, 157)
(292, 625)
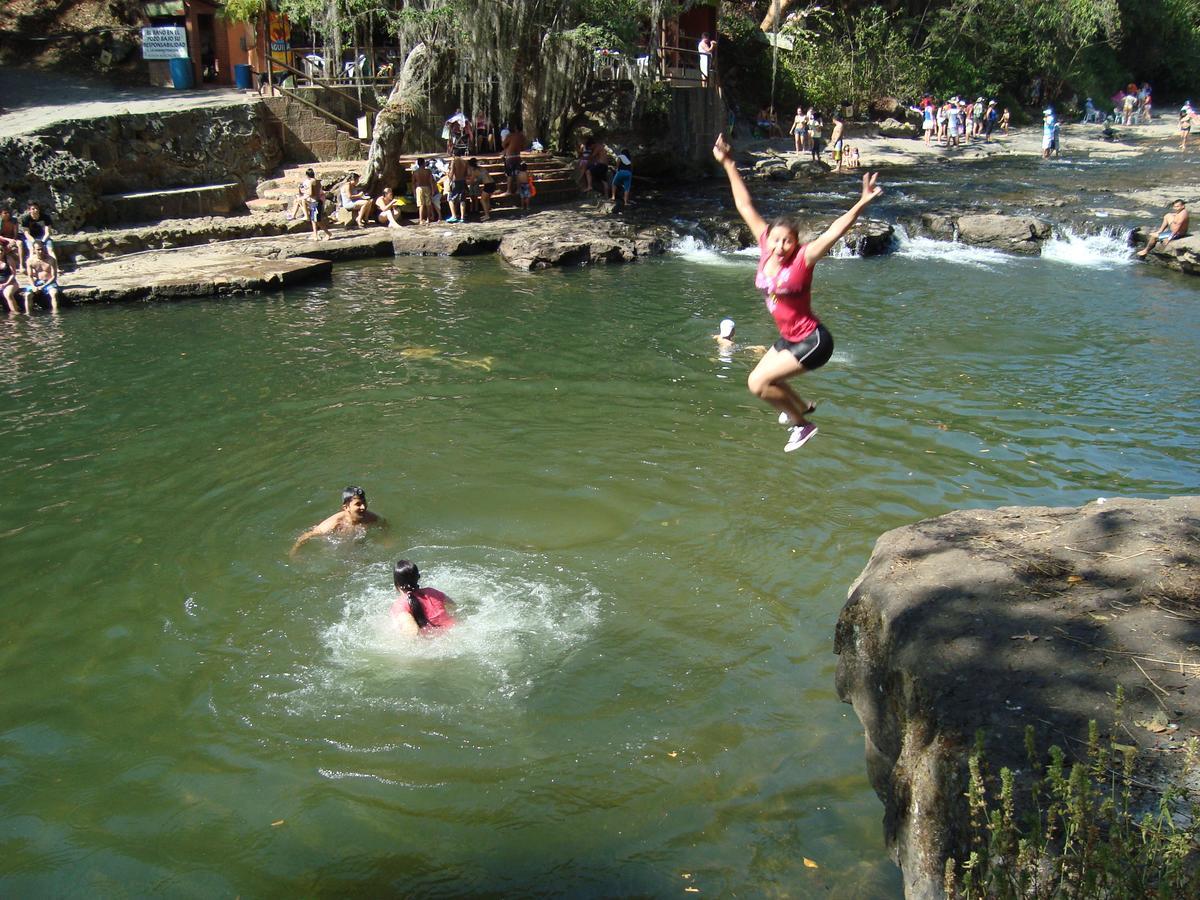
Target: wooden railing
(678, 65)
(323, 83)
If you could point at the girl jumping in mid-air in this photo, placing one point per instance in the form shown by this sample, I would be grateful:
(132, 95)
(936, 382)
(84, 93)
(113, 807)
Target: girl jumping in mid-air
(785, 269)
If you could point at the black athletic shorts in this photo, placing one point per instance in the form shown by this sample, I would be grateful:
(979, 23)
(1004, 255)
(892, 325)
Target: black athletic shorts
(813, 351)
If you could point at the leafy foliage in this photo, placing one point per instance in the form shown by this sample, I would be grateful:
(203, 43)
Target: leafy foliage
(990, 45)
(839, 58)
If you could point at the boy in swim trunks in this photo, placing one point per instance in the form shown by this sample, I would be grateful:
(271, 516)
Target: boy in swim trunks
(481, 185)
(1173, 226)
(835, 139)
(423, 189)
(785, 270)
(43, 276)
(458, 186)
(352, 518)
(524, 186)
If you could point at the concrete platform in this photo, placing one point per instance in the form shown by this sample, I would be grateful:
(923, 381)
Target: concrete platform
(554, 237)
(197, 273)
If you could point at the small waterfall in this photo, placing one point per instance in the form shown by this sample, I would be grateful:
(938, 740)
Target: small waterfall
(1106, 249)
(954, 252)
(697, 250)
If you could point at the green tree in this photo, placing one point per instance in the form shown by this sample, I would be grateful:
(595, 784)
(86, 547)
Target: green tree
(851, 58)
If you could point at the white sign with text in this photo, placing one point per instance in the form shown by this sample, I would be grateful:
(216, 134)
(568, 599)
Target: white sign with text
(164, 42)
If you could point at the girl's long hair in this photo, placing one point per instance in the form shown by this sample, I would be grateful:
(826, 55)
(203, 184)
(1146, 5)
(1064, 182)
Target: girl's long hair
(407, 577)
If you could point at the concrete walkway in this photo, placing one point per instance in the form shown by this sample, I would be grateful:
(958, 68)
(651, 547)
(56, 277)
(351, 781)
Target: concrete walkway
(35, 98)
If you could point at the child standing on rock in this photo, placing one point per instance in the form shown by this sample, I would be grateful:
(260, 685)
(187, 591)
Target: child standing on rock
(785, 268)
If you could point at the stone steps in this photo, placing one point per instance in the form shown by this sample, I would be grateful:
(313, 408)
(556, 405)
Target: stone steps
(310, 137)
(554, 178)
(140, 207)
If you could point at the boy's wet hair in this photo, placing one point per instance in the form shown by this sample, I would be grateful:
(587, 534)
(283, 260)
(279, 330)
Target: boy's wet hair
(473, 163)
(786, 222)
(406, 575)
(420, 162)
(1180, 202)
(309, 173)
(351, 491)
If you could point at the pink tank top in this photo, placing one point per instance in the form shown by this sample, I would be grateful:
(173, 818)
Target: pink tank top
(433, 602)
(787, 293)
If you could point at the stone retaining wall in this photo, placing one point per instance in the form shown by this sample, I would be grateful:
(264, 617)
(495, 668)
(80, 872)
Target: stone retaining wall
(69, 165)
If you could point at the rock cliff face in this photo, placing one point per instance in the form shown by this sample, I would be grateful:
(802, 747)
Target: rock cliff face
(68, 166)
(997, 619)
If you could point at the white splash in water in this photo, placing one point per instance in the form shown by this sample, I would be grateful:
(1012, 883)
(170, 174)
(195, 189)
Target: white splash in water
(1106, 250)
(518, 616)
(697, 251)
(949, 251)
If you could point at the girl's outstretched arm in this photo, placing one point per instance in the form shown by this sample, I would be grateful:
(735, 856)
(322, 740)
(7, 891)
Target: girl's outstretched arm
(741, 194)
(817, 249)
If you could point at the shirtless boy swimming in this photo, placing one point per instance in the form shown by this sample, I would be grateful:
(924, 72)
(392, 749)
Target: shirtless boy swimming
(350, 519)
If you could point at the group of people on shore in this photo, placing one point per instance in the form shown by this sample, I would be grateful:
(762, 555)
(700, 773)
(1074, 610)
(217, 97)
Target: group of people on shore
(1133, 105)
(808, 136)
(442, 190)
(28, 264)
(606, 173)
(416, 609)
(956, 122)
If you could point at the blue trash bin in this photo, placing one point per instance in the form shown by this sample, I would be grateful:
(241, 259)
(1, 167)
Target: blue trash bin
(243, 77)
(182, 77)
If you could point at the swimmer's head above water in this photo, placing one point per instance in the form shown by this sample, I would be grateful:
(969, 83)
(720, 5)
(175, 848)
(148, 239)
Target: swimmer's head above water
(354, 500)
(406, 576)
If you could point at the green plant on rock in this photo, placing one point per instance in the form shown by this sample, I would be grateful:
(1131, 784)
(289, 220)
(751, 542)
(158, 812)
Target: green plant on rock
(1083, 834)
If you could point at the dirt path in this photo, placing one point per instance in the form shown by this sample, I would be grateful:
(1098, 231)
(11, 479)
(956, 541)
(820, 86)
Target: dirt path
(35, 98)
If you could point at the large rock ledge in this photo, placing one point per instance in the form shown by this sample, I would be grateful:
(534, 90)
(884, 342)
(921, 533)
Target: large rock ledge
(1182, 255)
(997, 619)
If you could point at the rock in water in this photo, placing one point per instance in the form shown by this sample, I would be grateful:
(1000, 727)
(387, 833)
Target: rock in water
(561, 239)
(998, 619)
(1020, 234)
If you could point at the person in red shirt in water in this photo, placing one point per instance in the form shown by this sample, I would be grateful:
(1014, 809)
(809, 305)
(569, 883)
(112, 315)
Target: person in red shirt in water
(416, 608)
(785, 268)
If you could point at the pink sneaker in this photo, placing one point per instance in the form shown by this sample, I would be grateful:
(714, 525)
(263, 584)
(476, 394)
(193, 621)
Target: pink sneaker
(799, 436)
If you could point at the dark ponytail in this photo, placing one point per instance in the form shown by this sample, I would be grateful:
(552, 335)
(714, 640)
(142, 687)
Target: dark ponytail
(407, 577)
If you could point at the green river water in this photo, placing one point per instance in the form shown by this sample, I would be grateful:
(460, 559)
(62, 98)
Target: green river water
(639, 698)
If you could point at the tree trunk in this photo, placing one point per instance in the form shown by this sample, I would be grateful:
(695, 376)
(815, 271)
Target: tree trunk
(383, 159)
(777, 11)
